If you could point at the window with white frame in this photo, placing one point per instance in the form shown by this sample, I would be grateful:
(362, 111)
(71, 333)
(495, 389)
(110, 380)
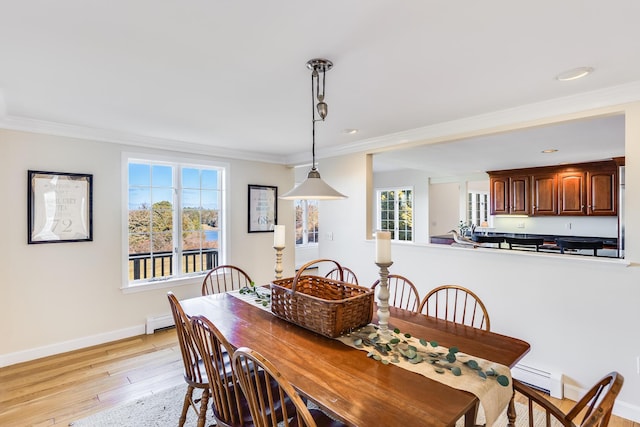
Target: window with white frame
(174, 219)
(306, 222)
(395, 212)
(478, 207)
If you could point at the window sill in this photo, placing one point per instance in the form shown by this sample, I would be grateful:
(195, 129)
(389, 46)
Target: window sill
(164, 284)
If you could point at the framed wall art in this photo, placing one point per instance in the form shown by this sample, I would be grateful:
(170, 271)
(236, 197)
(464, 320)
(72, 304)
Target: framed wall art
(263, 208)
(59, 207)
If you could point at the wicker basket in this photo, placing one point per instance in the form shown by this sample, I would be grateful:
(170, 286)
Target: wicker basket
(326, 306)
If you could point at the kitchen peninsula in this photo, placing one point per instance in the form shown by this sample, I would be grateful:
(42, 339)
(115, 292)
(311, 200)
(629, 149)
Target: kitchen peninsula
(577, 245)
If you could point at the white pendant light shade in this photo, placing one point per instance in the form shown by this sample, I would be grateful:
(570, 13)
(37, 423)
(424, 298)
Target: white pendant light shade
(313, 188)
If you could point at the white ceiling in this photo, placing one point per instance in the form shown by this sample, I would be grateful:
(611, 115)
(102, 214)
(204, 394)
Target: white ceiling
(231, 75)
(588, 140)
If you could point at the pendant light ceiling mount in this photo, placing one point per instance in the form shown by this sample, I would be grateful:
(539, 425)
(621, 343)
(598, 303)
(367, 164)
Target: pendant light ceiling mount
(314, 187)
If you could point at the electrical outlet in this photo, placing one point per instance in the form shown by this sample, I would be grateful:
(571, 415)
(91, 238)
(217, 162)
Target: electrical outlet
(329, 235)
(520, 225)
(568, 226)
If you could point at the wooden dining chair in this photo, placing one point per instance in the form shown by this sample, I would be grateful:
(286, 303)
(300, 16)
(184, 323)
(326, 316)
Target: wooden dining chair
(348, 276)
(194, 371)
(229, 405)
(224, 278)
(248, 364)
(594, 407)
(456, 304)
(402, 292)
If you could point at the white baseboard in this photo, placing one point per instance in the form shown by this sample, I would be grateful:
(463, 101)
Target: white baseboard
(63, 347)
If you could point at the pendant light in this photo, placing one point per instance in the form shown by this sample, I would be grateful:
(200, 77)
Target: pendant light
(314, 187)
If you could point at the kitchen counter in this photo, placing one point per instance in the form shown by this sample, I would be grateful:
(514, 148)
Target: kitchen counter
(581, 245)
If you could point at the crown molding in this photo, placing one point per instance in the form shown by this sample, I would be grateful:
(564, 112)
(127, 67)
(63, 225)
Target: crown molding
(553, 108)
(579, 103)
(124, 138)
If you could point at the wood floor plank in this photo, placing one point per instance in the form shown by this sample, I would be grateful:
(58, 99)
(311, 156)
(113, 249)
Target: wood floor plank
(56, 390)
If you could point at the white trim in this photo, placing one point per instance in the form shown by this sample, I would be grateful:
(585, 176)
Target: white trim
(61, 129)
(396, 208)
(65, 346)
(601, 98)
(195, 279)
(176, 163)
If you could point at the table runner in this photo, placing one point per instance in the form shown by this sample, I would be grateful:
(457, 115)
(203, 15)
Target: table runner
(493, 397)
(252, 298)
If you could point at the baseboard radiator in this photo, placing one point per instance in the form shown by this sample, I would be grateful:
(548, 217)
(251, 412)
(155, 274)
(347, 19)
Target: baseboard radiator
(548, 382)
(159, 322)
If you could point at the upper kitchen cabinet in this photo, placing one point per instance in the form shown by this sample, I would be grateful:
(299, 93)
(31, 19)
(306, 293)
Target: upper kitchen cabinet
(509, 194)
(544, 187)
(568, 190)
(572, 192)
(602, 192)
(499, 195)
(589, 190)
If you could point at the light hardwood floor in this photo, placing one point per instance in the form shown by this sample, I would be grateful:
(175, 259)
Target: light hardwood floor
(57, 390)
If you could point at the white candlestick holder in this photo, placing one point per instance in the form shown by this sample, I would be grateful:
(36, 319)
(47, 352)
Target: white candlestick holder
(383, 301)
(278, 266)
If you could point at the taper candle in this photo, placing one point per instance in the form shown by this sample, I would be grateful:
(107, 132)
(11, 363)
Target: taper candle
(278, 236)
(383, 247)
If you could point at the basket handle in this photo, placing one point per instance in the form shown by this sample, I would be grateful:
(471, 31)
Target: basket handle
(309, 264)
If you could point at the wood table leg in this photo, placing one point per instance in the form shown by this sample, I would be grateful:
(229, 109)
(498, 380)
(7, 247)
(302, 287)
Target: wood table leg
(511, 411)
(471, 415)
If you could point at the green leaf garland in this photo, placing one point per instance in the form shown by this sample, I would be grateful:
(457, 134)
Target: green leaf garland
(398, 348)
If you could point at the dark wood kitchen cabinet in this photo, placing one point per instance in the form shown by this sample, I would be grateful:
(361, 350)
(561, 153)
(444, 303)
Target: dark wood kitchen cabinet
(544, 187)
(602, 192)
(569, 190)
(499, 195)
(510, 194)
(572, 192)
(591, 191)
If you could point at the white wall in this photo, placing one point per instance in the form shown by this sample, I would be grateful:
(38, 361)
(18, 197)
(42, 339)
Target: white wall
(602, 226)
(57, 297)
(419, 182)
(444, 209)
(580, 314)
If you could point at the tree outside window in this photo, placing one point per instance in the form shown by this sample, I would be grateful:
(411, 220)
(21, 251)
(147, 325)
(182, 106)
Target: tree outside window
(395, 213)
(306, 222)
(174, 219)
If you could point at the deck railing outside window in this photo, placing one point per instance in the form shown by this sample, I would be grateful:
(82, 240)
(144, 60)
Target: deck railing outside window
(142, 266)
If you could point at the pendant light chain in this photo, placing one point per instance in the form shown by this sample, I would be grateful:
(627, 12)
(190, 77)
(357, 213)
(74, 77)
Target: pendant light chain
(314, 188)
(314, 74)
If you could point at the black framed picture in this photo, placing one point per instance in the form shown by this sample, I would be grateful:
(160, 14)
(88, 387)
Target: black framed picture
(263, 208)
(59, 207)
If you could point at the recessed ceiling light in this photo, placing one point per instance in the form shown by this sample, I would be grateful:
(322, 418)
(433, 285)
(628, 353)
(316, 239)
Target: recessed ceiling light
(574, 74)
(549, 150)
(350, 131)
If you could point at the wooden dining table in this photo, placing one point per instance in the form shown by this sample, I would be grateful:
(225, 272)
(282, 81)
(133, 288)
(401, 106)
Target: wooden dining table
(346, 383)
